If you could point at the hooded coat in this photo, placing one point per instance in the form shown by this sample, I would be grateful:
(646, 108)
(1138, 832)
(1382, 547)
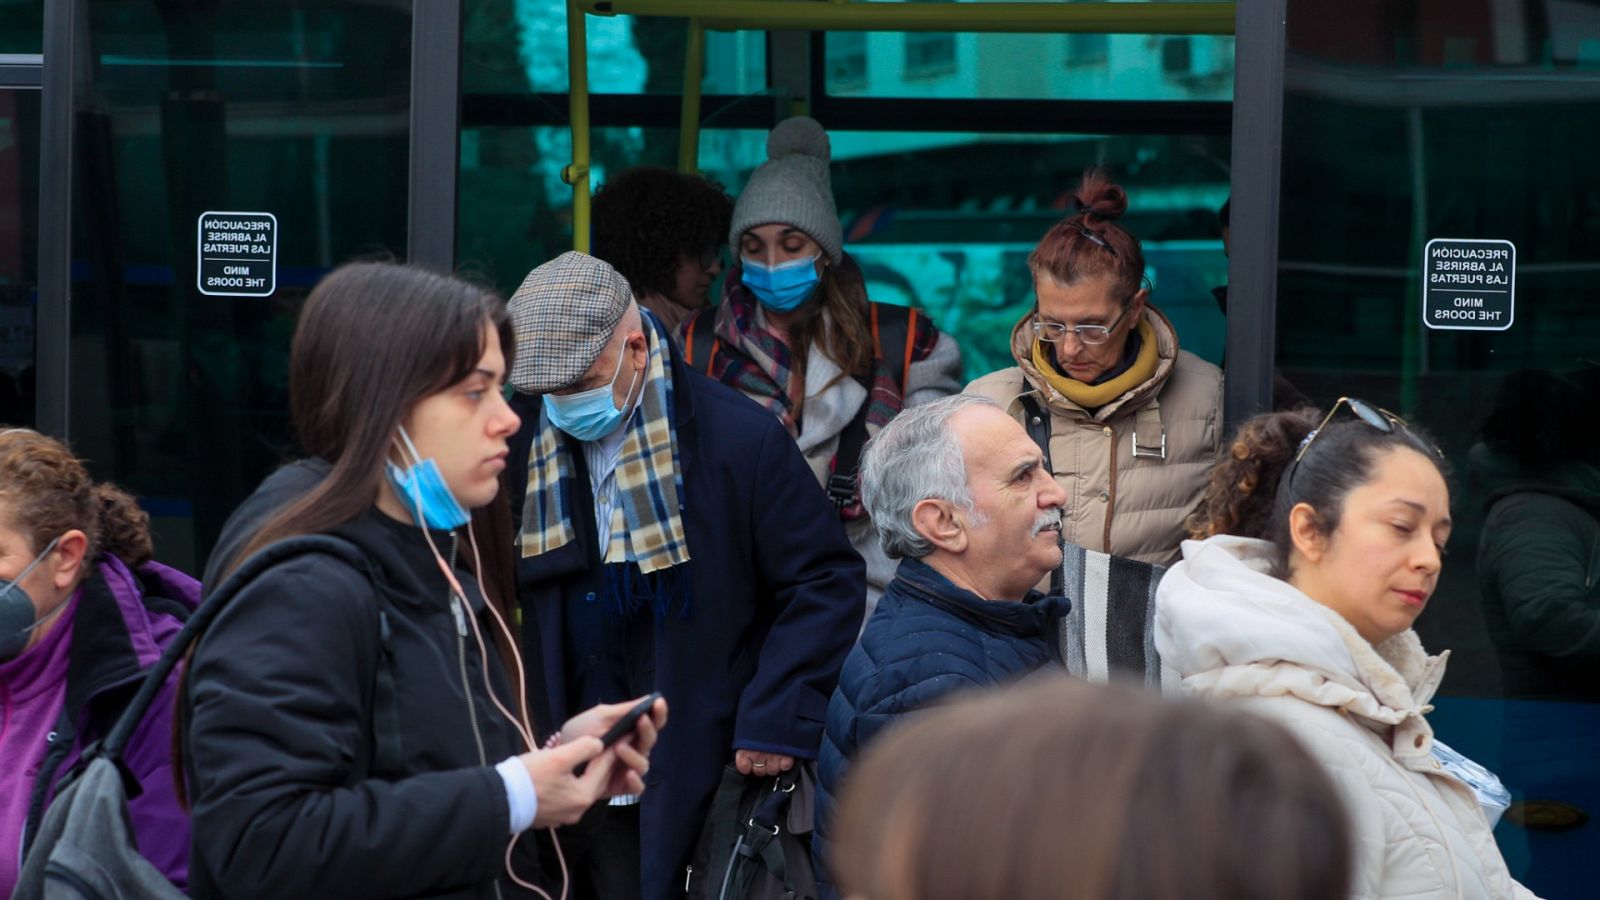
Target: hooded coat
(1118, 502)
(120, 622)
(1236, 633)
(279, 738)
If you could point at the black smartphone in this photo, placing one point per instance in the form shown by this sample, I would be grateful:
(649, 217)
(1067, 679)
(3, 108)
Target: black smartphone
(625, 725)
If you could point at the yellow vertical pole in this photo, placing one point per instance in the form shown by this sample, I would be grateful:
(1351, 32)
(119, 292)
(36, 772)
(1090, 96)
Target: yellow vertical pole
(577, 174)
(694, 66)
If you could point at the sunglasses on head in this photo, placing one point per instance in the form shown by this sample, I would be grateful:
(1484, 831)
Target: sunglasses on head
(1376, 416)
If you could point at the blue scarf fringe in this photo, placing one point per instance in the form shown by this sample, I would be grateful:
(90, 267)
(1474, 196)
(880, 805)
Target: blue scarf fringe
(627, 590)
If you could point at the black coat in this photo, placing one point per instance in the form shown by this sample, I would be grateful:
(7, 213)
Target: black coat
(775, 601)
(279, 706)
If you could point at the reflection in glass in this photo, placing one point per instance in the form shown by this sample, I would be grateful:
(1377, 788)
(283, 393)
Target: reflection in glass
(19, 253)
(1403, 124)
(299, 110)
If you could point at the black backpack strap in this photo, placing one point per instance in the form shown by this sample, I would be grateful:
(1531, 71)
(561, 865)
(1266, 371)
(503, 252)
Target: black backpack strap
(209, 609)
(1036, 419)
(700, 341)
(893, 328)
(846, 462)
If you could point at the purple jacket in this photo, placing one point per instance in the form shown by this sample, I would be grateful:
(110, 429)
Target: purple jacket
(123, 620)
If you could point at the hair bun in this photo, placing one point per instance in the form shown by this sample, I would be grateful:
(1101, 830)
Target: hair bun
(799, 136)
(1099, 196)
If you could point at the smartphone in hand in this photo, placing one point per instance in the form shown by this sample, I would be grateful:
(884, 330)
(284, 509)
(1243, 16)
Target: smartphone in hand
(630, 720)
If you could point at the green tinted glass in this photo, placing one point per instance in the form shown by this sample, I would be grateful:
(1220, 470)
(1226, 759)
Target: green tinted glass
(1448, 126)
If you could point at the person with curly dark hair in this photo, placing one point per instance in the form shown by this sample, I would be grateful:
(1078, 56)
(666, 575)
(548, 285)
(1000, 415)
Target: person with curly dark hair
(664, 231)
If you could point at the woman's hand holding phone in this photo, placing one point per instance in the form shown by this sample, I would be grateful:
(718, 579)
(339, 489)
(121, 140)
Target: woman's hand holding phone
(564, 795)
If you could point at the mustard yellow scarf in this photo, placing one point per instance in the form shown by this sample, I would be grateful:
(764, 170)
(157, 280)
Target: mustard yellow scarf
(1093, 396)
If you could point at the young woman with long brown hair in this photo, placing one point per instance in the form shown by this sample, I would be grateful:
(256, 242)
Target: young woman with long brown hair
(304, 783)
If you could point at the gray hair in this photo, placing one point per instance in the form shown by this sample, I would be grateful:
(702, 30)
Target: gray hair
(916, 457)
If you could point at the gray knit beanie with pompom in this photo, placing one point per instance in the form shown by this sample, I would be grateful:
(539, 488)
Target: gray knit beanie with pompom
(792, 187)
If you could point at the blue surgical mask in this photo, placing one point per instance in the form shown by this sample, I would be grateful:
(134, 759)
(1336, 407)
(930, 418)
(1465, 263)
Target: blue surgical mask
(18, 617)
(784, 286)
(422, 491)
(590, 415)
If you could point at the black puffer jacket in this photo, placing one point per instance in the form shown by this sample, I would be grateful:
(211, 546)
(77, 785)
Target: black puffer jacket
(279, 711)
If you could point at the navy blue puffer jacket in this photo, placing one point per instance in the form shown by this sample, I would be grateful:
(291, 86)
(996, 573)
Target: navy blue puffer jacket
(926, 640)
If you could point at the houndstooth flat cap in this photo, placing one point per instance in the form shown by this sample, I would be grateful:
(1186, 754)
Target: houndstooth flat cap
(564, 315)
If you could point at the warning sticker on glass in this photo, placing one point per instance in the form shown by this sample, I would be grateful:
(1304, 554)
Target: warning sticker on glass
(238, 254)
(1469, 284)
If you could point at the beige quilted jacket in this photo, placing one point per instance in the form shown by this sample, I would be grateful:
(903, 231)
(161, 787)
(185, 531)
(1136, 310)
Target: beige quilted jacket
(1118, 501)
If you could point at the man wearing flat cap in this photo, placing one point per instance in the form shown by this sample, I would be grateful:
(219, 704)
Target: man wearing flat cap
(671, 538)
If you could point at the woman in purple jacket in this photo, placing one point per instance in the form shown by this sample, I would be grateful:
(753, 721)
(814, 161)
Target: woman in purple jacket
(83, 612)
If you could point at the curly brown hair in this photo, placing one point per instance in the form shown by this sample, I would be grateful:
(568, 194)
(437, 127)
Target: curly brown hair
(1239, 492)
(45, 492)
(646, 219)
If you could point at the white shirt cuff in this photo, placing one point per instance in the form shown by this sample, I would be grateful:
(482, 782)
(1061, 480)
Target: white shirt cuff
(520, 794)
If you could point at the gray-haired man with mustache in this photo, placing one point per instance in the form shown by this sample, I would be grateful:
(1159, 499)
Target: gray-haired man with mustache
(960, 493)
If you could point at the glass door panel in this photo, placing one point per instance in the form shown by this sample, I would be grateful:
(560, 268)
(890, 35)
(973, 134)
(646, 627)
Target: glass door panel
(1417, 139)
(199, 123)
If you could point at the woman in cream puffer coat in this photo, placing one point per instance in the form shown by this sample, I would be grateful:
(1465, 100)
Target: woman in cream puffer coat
(1313, 630)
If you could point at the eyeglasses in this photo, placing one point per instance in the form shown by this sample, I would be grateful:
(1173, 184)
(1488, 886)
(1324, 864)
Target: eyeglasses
(1055, 332)
(710, 256)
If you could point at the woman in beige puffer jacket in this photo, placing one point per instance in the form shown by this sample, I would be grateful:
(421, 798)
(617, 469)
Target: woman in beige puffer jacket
(1313, 629)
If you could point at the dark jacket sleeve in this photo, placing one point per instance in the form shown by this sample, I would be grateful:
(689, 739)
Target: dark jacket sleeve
(818, 584)
(1541, 553)
(277, 694)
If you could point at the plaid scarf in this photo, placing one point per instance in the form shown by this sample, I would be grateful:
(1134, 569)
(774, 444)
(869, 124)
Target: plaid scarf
(647, 533)
(760, 363)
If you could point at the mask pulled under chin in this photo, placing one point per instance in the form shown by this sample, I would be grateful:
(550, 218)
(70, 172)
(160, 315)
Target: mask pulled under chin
(421, 490)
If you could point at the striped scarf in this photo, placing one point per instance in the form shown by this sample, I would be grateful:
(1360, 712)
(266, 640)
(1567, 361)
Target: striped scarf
(647, 525)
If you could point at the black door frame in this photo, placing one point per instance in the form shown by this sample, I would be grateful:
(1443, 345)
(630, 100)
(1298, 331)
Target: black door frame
(52, 324)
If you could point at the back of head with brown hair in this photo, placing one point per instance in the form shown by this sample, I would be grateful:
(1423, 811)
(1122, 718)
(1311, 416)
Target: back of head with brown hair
(1090, 244)
(45, 492)
(1068, 790)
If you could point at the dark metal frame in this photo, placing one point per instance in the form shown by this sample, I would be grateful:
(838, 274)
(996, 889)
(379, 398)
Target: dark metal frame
(53, 324)
(435, 133)
(1257, 161)
(23, 70)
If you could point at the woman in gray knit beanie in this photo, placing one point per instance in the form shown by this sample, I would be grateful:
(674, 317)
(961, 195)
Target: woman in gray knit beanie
(796, 332)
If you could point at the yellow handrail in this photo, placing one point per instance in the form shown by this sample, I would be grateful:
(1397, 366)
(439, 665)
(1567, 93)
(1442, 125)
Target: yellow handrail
(577, 174)
(694, 66)
(841, 15)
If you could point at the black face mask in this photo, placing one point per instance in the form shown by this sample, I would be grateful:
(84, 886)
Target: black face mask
(18, 618)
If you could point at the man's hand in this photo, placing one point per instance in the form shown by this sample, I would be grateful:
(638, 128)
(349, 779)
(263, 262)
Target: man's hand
(632, 752)
(755, 762)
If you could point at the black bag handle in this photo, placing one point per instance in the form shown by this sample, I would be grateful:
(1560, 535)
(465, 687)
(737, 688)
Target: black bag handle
(263, 559)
